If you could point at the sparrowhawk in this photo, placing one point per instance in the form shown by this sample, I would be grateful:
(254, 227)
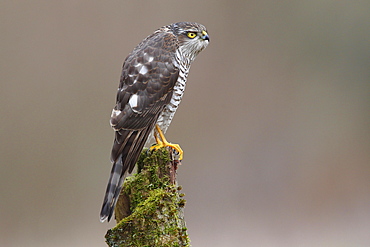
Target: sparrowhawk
(151, 87)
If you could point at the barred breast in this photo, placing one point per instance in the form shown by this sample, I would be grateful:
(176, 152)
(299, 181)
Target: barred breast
(169, 111)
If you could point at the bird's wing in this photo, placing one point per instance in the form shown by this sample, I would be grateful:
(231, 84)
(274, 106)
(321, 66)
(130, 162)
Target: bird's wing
(148, 77)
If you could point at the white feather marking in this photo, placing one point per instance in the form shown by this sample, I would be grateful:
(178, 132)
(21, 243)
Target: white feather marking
(150, 59)
(133, 100)
(115, 113)
(143, 70)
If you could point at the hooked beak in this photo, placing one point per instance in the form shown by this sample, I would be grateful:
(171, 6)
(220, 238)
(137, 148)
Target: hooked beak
(205, 36)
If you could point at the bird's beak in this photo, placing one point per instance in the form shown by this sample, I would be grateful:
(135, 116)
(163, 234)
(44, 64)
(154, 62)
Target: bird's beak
(205, 36)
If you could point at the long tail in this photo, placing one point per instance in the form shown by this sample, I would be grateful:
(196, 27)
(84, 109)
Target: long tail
(113, 188)
(125, 152)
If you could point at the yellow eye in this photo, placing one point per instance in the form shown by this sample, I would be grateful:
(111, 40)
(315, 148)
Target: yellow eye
(191, 35)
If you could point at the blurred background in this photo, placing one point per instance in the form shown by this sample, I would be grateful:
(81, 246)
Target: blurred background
(274, 122)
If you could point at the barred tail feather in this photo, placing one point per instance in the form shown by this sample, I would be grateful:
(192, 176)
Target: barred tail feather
(113, 189)
(125, 152)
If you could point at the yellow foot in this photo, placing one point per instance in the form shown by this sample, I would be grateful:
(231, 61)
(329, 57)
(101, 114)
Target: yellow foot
(162, 142)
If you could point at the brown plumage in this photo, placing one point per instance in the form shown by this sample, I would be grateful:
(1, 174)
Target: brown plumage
(151, 74)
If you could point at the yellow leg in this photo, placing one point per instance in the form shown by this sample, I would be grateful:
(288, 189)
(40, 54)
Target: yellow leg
(162, 142)
(157, 140)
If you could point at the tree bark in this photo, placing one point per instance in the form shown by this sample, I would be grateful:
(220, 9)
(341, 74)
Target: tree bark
(149, 211)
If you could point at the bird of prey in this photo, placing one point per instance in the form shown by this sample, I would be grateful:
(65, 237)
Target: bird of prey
(151, 87)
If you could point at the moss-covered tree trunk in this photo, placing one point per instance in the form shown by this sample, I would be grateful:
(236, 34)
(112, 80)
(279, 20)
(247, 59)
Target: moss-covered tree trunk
(149, 211)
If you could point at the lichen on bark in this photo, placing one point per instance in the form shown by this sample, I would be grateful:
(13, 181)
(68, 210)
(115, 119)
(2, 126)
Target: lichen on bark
(149, 211)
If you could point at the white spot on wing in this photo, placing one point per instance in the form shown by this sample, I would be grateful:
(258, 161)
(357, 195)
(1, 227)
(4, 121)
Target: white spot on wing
(115, 113)
(143, 70)
(133, 100)
(150, 59)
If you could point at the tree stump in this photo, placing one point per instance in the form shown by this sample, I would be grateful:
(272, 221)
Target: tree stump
(149, 211)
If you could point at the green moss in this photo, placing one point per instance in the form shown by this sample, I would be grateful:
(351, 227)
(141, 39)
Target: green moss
(156, 218)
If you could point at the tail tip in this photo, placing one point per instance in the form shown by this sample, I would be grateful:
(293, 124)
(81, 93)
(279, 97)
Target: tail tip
(105, 213)
(103, 218)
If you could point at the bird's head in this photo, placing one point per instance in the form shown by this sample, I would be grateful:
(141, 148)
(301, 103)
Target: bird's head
(192, 37)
